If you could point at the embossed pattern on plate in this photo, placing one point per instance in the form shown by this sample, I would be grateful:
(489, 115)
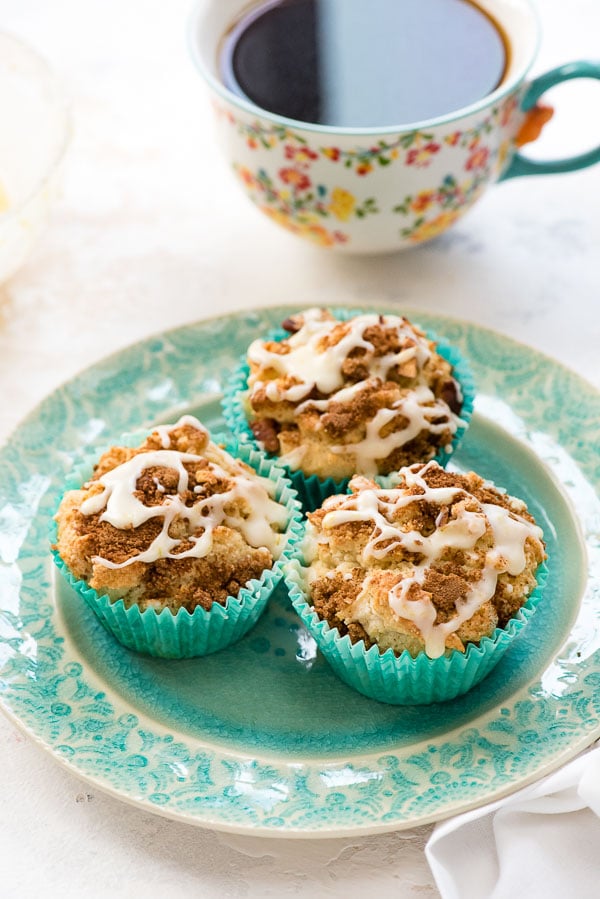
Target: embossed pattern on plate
(262, 738)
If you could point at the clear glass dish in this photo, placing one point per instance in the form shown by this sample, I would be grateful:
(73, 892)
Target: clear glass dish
(34, 134)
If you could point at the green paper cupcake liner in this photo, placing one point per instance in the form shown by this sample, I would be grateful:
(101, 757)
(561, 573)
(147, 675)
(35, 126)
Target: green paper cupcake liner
(312, 490)
(404, 679)
(201, 632)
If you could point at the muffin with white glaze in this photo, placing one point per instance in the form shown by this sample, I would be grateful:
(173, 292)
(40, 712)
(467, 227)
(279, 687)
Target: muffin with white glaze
(368, 395)
(414, 592)
(174, 543)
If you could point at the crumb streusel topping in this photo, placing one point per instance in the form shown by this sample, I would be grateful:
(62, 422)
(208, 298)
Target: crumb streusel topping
(176, 521)
(436, 562)
(368, 395)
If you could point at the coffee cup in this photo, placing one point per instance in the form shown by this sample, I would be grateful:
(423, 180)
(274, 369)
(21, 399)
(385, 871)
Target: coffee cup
(381, 189)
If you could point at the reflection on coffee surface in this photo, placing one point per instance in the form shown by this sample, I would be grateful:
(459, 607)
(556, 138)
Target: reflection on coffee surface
(363, 63)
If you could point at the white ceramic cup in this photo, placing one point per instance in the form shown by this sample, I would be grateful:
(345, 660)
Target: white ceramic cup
(372, 190)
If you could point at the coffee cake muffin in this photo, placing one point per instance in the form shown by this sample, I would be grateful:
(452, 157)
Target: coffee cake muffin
(174, 542)
(433, 577)
(366, 395)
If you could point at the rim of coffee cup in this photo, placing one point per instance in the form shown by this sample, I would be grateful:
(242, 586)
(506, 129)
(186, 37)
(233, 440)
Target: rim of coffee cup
(505, 88)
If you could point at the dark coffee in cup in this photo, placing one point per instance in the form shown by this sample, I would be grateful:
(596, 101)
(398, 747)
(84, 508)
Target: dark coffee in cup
(364, 63)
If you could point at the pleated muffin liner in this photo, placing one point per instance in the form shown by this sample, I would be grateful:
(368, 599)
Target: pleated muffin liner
(404, 679)
(184, 634)
(312, 490)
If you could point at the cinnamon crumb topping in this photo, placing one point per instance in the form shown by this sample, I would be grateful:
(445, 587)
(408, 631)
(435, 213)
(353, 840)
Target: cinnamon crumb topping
(439, 561)
(367, 395)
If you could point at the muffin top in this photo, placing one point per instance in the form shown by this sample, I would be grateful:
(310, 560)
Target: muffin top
(174, 522)
(365, 396)
(438, 561)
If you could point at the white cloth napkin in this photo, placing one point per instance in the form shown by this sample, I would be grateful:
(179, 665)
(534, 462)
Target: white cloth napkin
(540, 843)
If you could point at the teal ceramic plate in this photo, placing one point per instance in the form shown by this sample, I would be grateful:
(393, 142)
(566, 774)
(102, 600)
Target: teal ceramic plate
(262, 737)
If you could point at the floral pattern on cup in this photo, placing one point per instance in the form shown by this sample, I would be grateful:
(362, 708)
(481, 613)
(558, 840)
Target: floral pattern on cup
(302, 207)
(322, 191)
(413, 148)
(444, 203)
(294, 201)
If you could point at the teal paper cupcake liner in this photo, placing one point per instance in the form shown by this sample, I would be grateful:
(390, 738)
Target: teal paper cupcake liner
(312, 490)
(201, 632)
(461, 372)
(404, 679)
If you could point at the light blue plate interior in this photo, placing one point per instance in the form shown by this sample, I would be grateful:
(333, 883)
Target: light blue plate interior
(262, 737)
(293, 703)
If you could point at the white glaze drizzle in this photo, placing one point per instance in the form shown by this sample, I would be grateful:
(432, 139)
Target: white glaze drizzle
(310, 366)
(123, 510)
(418, 407)
(510, 532)
(344, 395)
(165, 431)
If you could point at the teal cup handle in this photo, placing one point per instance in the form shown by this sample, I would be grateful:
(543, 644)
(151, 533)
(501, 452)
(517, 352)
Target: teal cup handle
(521, 165)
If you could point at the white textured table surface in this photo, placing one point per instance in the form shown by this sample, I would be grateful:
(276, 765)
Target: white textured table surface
(150, 233)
